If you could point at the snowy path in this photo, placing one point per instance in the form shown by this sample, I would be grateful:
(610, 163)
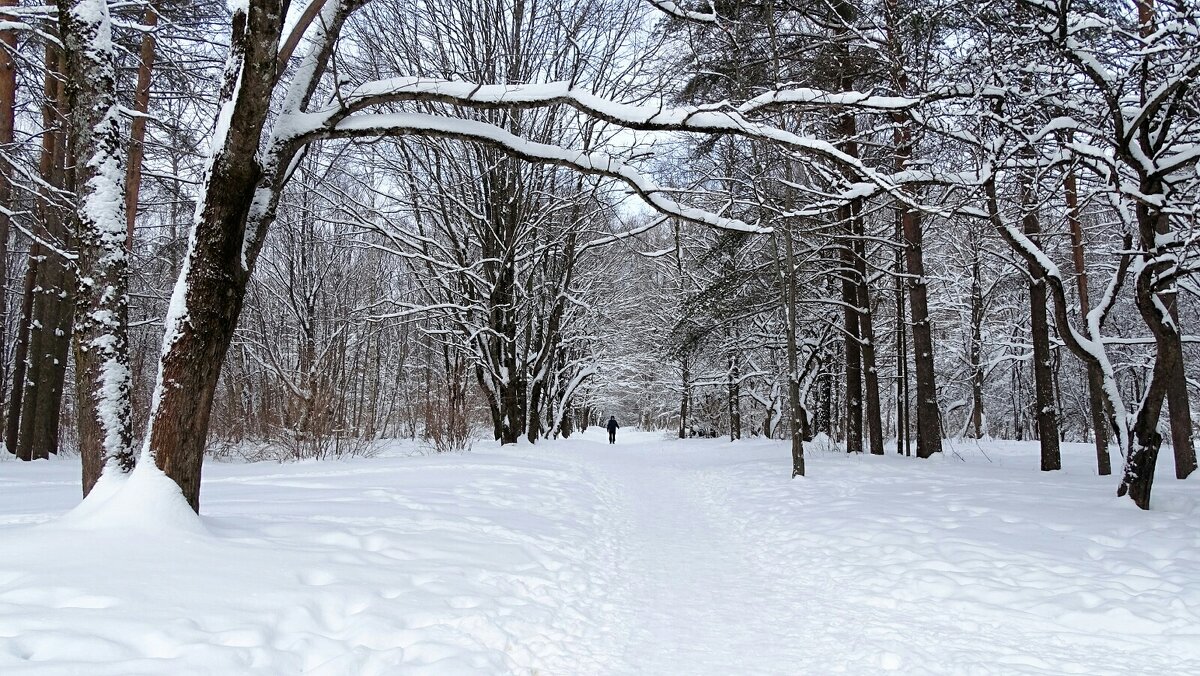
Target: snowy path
(653, 556)
(688, 577)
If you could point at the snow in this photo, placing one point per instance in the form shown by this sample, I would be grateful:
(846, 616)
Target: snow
(653, 556)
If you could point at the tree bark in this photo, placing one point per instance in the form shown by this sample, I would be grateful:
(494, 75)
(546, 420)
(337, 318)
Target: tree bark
(866, 324)
(929, 435)
(1100, 428)
(851, 224)
(51, 310)
(929, 427)
(12, 422)
(211, 287)
(976, 347)
(735, 396)
(137, 130)
(1043, 376)
(1168, 372)
(787, 278)
(852, 350)
(8, 104)
(903, 441)
(102, 319)
(684, 395)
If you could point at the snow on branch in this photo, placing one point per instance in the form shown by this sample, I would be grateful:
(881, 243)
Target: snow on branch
(718, 118)
(675, 10)
(422, 124)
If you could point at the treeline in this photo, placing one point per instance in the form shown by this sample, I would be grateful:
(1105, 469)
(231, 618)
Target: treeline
(880, 221)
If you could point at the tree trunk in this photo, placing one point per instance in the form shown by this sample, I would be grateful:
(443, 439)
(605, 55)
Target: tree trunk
(929, 426)
(798, 419)
(684, 396)
(735, 396)
(1168, 366)
(8, 103)
(105, 415)
(852, 350)
(211, 287)
(866, 325)
(12, 423)
(824, 415)
(51, 312)
(976, 347)
(1095, 378)
(49, 343)
(929, 435)
(137, 130)
(902, 422)
(1043, 376)
(1138, 478)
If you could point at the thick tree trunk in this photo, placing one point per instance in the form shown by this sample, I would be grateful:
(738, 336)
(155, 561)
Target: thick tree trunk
(1178, 401)
(102, 318)
(1138, 478)
(929, 425)
(824, 414)
(1168, 373)
(1171, 348)
(211, 286)
(49, 343)
(213, 283)
(851, 225)
(929, 429)
(566, 425)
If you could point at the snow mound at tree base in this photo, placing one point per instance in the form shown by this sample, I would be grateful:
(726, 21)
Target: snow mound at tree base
(144, 502)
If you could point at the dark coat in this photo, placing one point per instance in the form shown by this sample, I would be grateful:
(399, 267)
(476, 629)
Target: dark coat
(612, 425)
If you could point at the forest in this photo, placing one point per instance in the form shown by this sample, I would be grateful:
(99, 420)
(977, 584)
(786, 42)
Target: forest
(262, 229)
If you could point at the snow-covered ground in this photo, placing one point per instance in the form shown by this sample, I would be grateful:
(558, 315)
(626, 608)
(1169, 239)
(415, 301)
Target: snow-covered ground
(650, 557)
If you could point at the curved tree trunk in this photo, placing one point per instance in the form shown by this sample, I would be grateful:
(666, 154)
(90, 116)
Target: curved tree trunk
(211, 287)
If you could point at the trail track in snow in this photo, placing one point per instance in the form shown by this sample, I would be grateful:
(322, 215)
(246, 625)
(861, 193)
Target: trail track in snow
(693, 598)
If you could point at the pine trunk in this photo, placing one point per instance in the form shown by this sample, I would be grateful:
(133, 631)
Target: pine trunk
(8, 103)
(137, 130)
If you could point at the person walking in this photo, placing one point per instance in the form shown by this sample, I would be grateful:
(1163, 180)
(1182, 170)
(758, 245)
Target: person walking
(612, 429)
